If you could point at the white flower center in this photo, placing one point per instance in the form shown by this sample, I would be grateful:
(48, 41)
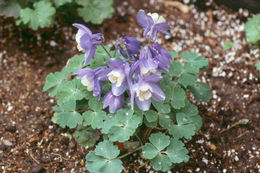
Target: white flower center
(146, 71)
(116, 77)
(86, 82)
(156, 18)
(78, 36)
(144, 92)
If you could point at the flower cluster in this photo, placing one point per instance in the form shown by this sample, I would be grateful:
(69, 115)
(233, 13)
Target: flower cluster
(137, 76)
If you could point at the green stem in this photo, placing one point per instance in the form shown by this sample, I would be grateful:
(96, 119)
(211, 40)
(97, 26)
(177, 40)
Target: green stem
(127, 154)
(106, 51)
(140, 141)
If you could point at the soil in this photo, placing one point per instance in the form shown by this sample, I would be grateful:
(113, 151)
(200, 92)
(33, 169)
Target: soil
(229, 140)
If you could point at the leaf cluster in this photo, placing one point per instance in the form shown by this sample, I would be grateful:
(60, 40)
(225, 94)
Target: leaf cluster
(41, 13)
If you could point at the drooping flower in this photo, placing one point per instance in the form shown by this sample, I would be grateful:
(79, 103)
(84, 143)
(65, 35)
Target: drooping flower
(92, 79)
(147, 89)
(152, 23)
(117, 76)
(161, 56)
(128, 46)
(87, 41)
(113, 102)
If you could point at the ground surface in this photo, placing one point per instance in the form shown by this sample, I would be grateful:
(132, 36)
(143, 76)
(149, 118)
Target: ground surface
(30, 142)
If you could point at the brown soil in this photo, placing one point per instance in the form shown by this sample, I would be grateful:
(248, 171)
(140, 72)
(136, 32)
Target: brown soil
(30, 142)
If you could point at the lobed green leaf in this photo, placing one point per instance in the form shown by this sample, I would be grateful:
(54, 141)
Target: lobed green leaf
(149, 151)
(161, 162)
(177, 152)
(161, 107)
(53, 82)
(72, 90)
(94, 119)
(252, 28)
(86, 136)
(178, 97)
(91, 10)
(195, 59)
(95, 104)
(201, 91)
(41, 16)
(69, 119)
(103, 159)
(159, 140)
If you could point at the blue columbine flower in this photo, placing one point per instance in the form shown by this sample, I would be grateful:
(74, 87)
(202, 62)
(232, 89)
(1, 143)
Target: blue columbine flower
(87, 41)
(113, 102)
(140, 73)
(160, 55)
(92, 79)
(128, 46)
(147, 64)
(147, 89)
(117, 76)
(152, 23)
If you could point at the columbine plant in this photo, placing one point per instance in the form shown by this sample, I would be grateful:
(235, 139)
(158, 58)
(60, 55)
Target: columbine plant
(129, 99)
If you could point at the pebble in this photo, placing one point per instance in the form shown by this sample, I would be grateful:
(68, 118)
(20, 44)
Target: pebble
(206, 161)
(7, 142)
(236, 158)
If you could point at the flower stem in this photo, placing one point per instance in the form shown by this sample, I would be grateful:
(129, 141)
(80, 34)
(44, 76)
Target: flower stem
(106, 51)
(127, 154)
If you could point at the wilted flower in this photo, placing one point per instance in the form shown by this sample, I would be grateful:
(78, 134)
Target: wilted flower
(128, 46)
(87, 41)
(92, 79)
(147, 89)
(152, 23)
(113, 102)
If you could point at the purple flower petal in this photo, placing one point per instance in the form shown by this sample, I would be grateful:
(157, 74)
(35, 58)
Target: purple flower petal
(143, 105)
(128, 46)
(152, 78)
(113, 102)
(158, 94)
(92, 79)
(117, 91)
(115, 63)
(89, 55)
(143, 19)
(162, 27)
(85, 71)
(97, 88)
(83, 28)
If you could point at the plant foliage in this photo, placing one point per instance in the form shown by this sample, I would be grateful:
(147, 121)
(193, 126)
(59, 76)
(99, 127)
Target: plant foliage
(252, 28)
(158, 131)
(41, 13)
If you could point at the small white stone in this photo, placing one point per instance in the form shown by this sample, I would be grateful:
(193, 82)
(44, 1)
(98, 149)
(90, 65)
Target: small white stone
(236, 158)
(206, 161)
(53, 43)
(9, 106)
